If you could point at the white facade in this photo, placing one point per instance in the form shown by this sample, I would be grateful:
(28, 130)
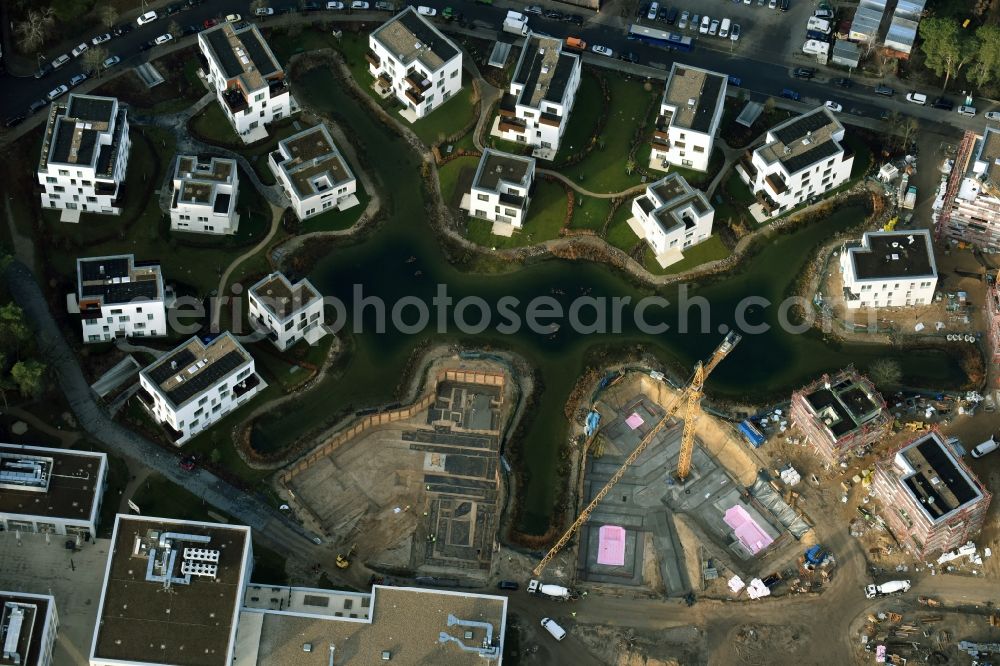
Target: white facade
(689, 118)
(287, 312)
(413, 61)
(23, 617)
(51, 491)
(84, 156)
(673, 215)
(800, 158)
(196, 384)
(249, 83)
(889, 269)
(973, 215)
(205, 195)
(501, 188)
(116, 297)
(313, 174)
(536, 109)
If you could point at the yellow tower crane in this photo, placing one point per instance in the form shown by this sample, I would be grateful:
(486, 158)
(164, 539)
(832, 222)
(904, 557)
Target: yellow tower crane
(689, 396)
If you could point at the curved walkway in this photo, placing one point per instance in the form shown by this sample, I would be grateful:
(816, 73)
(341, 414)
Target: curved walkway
(636, 189)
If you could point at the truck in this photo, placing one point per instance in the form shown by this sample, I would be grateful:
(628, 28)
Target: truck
(910, 198)
(551, 591)
(516, 23)
(553, 628)
(891, 587)
(818, 25)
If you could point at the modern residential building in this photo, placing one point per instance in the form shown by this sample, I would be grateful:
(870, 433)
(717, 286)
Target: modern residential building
(672, 216)
(931, 501)
(84, 156)
(889, 269)
(412, 60)
(248, 80)
(205, 194)
(172, 593)
(689, 118)
(840, 415)
(993, 322)
(501, 188)
(972, 206)
(117, 296)
(535, 111)
(197, 384)
(51, 491)
(28, 628)
(287, 312)
(800, 158)
(312, 172)
(407, 626)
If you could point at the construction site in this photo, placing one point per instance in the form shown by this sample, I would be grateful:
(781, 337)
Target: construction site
(413, 491)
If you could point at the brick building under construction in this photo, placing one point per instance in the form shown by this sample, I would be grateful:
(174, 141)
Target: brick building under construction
(930, 500)
(840, 415)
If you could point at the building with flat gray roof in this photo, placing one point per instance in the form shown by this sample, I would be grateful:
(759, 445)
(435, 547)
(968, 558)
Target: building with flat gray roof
(313, 173)
(117, 296)
(204, 195)
(28, 628)
(54, 491)
(287, 312)
(501, 188)
(673, 216)
(889, 269)
(973, 214)
(690, 112)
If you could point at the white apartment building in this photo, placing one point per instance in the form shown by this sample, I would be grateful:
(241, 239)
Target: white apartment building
(118, 297)
(536, 109)
(974, 213)
(172, 594)
(673, 216)
(287, 312)
(204, 196)
(501, 188)
(28, 628)
(889, 269)
(51, 491)
(197, 384)
(689, 118)
(313, 173)
(800, 158)
(249, 83)
(412, 60)
(84, 156)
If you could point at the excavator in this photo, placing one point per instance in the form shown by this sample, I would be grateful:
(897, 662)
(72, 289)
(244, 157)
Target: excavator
(690, 397)
(344, 561)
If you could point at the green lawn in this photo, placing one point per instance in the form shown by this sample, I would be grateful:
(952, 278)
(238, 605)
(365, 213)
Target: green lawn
(285, 45)
(211, 125)
(511, 147)
(590, 213)
(583, 117)
(734, 187)
(338, 220)
(451, 174)
(603, 170)
(180, 88)
(447, 118)
(708, 250)
(546, 215)
(619, 233)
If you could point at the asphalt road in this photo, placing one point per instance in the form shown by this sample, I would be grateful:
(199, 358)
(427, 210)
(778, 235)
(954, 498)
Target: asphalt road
(761, 78)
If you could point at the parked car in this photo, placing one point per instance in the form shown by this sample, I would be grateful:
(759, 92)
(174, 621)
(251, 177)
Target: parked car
(788, 93)
(695, 21)
(145, 46)
(602, 50)
(672, 16)
(310, 7)
(735, 81)
(122, 29)
(58, 92)
(833, 106)
(60, 61)
(111, 62)
(424, 10)
(14, 121)
(43, 71)
(988, 446)
(264, 11)
(575, 19)
(783, 4)
(967, 110)
(148, 17)
(843, 83)
(824, 14)
(628, 57)
(507, 585)
(79, 50)
(210, 23)
(706, 21)
(384, 6)
(943, 103)
(533, 9)
(233, 18)
(190, 30)
(735, 32)
(992, 115)
(335, 5)
(188, 463)
(724, 28)
(77, 80)
(916, 98)
(881, 89)
(100, 39)
(164, 38)
(804, 72)
(682, 24)
(654, 10)
(713, 28)
(772, 4)
(359, 4)
(37, 105)
(175, 8)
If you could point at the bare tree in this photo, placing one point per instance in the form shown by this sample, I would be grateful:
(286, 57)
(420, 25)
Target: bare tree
(257, 4)
(174, 28)
(93, 58)
(108, 16)
(35, 28)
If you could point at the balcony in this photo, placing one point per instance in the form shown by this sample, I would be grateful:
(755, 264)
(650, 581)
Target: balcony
(277, 87)
(418, 82)
(767, 203)
(145, 398)
(746, 161)
(550, 119)
(384, 81)
(776, 183)
(508, 106)
(235, 100)
(661, 128)
(373, 59)
(511, 199)
(247, 385)
(510, 126)
(104, 188)
(414, 97)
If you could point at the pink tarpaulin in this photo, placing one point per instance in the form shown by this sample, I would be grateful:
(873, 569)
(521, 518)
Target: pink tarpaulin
(611, 546)
(747, 530)
(634, 421)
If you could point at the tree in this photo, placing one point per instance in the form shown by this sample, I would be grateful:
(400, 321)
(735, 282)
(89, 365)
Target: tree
(34, 29)
(174, 28)
(30, 377)
(986, 64)
(6, 381)
(109, 15)
(215, 456)
(14, 332)
(93, 58)
(630, 166)
(947, 48)
(257, 4)
(885, 373)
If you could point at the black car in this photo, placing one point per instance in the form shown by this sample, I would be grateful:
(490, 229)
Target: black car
(573, 18)
(943, 103)
(884, 90)
(784, 5)
(553, 14)
(37, 105)
(507, 585)
(310, 7)
(843, 83)
(191, 30)
(175, 8)
(14, 121)
(43, 71)
(122, 29)
(804, 72)
(145, 46)
(672, 16)
(628, 57)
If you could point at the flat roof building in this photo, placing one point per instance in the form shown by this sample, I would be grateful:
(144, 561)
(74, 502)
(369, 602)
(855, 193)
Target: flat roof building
(689, 118)
(931, 501)
(672, 216)
(55, 491)
(172, 593)
(840, 415)
(889, 269)
(313, 173)
(28, 628)
(287, 312)
(501, 188)
(972, 212)
(118, 296)
(204, 196)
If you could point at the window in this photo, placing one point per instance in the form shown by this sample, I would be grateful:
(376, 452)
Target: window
(698, 149)
(50, 179)
(483, 197)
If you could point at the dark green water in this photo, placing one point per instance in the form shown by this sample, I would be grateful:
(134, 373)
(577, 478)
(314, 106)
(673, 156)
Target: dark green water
(763, 365)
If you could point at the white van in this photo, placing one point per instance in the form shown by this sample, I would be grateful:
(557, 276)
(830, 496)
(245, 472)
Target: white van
(724, 28)
(916, 98)
(988, 446)
(550, 625)
(967, 110)
(654, 9)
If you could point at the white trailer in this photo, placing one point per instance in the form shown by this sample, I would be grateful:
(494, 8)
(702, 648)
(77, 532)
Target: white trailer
(516, 23)
(819, 25)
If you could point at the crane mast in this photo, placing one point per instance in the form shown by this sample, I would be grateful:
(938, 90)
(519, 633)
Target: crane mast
(690, 396)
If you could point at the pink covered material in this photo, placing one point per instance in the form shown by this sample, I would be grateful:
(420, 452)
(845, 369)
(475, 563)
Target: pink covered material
(747, 530)
(611, 546)
(634, 421)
